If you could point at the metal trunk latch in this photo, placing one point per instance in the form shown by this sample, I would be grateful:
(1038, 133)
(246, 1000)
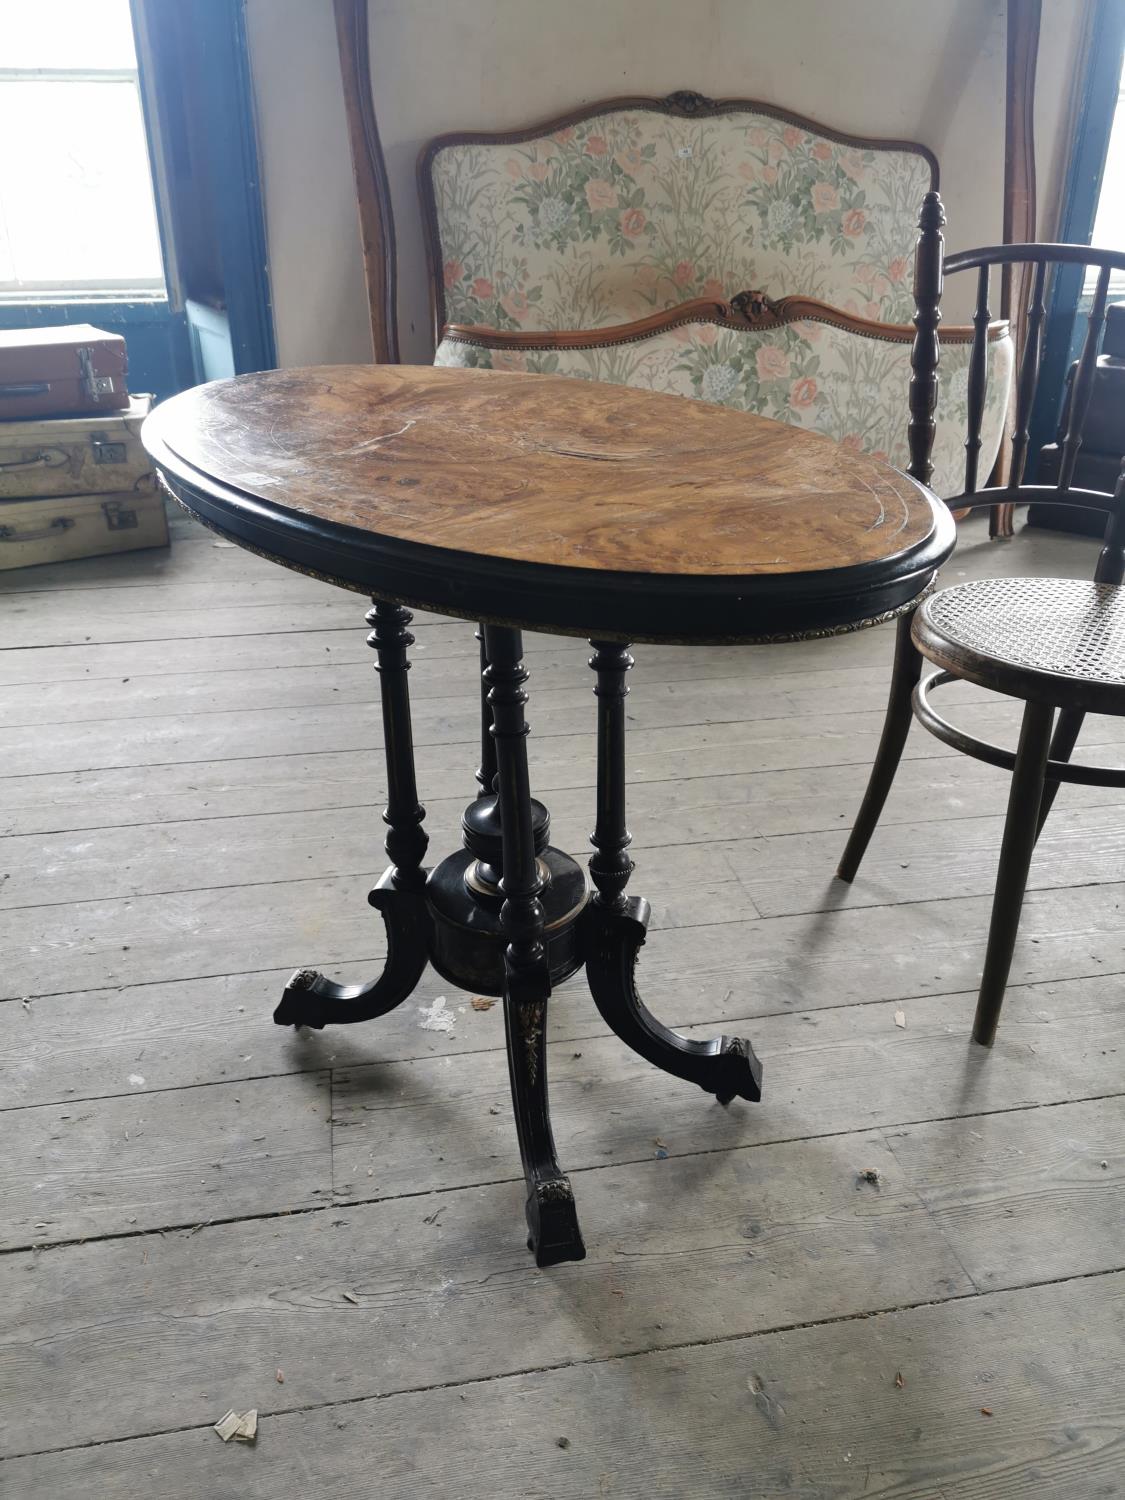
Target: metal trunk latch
(118, 517)
(95, 386)
(106, 452)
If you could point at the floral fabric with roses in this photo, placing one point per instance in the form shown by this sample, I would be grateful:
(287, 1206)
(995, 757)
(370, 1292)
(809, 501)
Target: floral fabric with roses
(811, 374)
(634, 212)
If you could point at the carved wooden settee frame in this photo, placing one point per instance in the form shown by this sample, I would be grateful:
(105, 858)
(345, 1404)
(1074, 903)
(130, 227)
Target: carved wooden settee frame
(796, 359)
(745, 310)
(375, 209)
(683, 104)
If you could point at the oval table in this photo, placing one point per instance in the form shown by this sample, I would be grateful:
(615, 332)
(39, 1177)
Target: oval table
(527, 501)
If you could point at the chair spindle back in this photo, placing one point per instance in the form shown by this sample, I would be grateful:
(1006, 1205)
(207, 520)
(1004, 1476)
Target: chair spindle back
(929, 269)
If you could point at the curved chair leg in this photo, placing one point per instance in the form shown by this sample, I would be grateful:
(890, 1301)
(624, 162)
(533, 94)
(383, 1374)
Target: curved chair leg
(314, 1001)
(904, 679)
(1015, 859)
(1063, 740)
(725, 1066)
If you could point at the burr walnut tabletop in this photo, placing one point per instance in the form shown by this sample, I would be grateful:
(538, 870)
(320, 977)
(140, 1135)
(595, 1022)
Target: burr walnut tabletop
(551, 502)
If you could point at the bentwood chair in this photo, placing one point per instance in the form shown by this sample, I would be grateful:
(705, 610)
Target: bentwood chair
(1056, 644)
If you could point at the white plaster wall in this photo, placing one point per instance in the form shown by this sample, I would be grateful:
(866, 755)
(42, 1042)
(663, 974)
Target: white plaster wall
(316, 270)
(928, 70)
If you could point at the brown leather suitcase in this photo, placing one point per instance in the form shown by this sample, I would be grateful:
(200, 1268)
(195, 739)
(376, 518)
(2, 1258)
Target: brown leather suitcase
(61, 371)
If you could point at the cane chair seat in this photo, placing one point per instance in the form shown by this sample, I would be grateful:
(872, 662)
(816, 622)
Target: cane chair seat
(1052, 640)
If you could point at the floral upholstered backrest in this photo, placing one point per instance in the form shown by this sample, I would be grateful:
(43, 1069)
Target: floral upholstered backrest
(643, 204)
(849, 384)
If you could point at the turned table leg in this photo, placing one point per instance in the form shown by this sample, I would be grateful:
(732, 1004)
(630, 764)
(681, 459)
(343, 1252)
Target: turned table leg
(615, 925)
(310, 999)
(551, 1217)
(486, 771)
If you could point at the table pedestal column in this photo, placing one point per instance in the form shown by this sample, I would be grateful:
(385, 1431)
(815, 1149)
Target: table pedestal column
(509, 915)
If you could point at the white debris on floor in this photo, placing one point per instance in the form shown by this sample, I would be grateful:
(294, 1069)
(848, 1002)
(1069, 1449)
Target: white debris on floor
(437, 1017)
(242, 1426)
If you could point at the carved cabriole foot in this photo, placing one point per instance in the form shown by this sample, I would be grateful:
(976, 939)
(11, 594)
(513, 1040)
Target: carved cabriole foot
(551, 1216)
(552, 1220)
(310, 999)
(314, 1001)
(613, 926)
(725, 1066)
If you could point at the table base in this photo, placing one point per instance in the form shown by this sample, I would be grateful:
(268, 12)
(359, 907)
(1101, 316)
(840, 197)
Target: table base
(510, 915)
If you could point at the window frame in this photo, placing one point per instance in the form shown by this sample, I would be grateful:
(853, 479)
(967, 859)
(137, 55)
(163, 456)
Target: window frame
(17, 293)
(159, 329)
(1069, 300)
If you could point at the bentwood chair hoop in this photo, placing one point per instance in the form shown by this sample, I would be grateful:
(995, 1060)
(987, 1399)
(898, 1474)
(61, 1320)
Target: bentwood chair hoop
(1073, 772)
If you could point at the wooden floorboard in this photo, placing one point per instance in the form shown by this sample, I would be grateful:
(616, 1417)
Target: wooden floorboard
(123, 1165)
(416, 1291)
(891, 1405)
(782, 873)
(431, 1124)
(778, 1235)
(198, 1201)
(190, 1032)
(108, 763)
(84, 743)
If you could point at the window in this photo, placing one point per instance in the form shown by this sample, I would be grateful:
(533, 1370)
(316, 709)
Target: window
(76, 206)
(1092, 211)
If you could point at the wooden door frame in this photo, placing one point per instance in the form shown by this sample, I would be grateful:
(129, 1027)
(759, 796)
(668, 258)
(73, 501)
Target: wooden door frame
(1096, 86)
(369, 170)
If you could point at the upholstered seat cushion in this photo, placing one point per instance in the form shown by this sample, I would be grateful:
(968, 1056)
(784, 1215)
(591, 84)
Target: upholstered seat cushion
(848, 384)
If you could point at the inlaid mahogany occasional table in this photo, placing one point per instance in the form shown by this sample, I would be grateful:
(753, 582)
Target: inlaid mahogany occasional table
(558, 505)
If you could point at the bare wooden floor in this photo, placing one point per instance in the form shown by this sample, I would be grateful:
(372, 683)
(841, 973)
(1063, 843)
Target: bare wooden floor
(202, 1211)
